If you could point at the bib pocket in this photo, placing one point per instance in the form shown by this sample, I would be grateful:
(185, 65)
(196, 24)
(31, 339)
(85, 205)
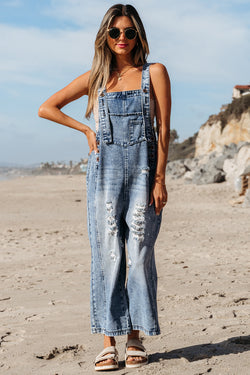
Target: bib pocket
(92, 167)
(136, 131)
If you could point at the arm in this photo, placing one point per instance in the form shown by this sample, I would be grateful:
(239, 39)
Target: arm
(51, 108)
(162, 95)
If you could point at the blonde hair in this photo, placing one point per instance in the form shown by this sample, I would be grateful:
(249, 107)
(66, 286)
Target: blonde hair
(104, 59)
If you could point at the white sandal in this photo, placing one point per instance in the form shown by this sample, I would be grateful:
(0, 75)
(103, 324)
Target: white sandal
(107, 353)
(135, 353)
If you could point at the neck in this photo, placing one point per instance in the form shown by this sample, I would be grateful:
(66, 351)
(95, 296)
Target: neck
(123, 62)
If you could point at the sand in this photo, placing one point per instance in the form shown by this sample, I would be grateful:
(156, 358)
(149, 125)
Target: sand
(204, 280)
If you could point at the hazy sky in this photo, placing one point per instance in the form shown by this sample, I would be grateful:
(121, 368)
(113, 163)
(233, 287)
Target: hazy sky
(45, 44)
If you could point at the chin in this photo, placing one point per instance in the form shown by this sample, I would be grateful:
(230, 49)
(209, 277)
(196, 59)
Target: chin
(122, 51)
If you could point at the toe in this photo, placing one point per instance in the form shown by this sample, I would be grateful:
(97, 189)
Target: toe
(106, 362)
(135, 359)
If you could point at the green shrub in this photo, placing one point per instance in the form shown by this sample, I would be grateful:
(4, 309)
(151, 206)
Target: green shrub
(233, 110)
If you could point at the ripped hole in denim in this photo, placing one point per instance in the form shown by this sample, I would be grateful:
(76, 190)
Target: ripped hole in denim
(111, 220)
(138, 223)
(113, 255)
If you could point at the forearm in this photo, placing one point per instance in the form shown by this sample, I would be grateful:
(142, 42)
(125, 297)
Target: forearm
(51, 108)
(162, 152)
(56, 115)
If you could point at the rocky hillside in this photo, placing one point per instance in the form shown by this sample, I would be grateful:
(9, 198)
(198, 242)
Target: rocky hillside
(231, 125)
(229, 164)
(220, 151)
(182, 150)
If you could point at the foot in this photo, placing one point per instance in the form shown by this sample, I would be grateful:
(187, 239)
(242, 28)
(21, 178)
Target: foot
(108, 341)
(135, 360)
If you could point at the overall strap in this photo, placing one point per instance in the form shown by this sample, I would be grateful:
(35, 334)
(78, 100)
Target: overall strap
(145, 81)
(145, 88)
(104, 123)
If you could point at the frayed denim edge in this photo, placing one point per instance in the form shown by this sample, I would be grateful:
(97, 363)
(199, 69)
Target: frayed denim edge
(125, 331)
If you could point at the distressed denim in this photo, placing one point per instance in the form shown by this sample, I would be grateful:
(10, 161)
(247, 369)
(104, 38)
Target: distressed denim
(119, 181)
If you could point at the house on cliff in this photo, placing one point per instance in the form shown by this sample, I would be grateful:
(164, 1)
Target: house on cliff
(240, 90)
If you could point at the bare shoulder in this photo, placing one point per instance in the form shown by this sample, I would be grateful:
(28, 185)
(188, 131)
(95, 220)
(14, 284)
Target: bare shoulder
(75, 89)
(158, 72)
(85, 75)
(82, 80)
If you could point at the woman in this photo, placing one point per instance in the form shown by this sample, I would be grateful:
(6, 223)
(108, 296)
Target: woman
(126, 188)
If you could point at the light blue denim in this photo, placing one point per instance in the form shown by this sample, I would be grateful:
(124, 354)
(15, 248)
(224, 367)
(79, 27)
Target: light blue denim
(119, 181)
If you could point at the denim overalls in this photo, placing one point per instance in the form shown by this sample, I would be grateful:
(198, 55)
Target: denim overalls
(119, 181)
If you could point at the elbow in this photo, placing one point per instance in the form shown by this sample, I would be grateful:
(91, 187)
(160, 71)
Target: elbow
(41, 111)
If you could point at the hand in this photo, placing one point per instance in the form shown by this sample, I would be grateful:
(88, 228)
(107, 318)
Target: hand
(159, 195)
(91, 136)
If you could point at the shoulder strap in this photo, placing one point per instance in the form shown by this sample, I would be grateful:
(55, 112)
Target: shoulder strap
(145, 81)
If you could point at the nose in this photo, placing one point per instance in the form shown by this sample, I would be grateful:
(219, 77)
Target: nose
(122, 35)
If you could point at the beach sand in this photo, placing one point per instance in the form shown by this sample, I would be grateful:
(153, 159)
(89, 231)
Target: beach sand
(203, 265)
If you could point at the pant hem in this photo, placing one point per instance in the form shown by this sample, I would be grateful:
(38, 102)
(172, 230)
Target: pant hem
(111, 333)
(151, 332)
(120, 332)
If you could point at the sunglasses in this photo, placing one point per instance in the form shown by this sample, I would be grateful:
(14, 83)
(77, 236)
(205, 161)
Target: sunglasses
(114, 33)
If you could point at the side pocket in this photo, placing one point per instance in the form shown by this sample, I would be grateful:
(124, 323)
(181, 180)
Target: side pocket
(92, 171)
(152, 154)
(97, 161)
(88, 169)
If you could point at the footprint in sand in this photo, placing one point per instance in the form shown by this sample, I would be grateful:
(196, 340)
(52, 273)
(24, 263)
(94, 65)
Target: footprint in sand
(73, 350)
(12, 338)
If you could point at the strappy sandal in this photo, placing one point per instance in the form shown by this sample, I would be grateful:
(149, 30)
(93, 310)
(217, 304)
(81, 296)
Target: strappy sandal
(107, 353)
(135, 353)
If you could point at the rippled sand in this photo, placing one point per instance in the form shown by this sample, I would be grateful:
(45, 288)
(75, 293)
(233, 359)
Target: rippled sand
(204, 280)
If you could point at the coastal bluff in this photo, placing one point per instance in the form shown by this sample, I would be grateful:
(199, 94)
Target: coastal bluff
(230, 125)
(220, 151)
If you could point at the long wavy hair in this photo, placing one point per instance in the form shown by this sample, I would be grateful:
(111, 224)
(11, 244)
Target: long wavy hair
(104, 59)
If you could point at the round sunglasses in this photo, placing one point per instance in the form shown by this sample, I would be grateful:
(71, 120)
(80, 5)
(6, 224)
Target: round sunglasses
(114, 33)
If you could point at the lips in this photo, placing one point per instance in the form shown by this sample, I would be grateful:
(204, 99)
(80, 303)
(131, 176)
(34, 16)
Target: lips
(122, 45)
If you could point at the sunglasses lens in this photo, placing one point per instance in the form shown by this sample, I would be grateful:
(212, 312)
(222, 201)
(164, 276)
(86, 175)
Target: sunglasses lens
(114, 33)
(130, 34)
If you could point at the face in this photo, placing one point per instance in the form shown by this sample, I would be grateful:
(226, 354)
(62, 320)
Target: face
(121, 45)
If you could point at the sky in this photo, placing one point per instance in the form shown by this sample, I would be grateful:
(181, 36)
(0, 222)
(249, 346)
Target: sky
(45, 44)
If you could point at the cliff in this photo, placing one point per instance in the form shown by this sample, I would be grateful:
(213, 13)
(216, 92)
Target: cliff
(219, 152)
(231, 125)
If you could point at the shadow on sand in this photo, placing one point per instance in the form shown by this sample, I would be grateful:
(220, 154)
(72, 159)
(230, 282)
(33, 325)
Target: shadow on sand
(232, 345)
